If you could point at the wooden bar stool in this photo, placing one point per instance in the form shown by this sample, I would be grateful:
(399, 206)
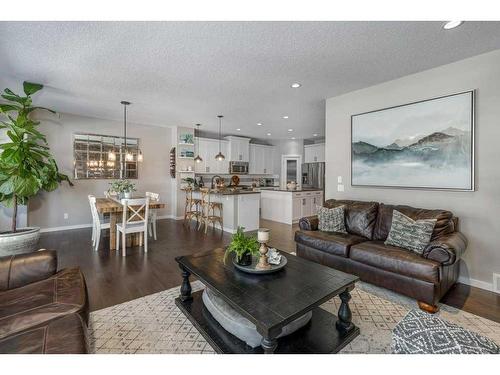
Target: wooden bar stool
(192, 207)
(208, 209)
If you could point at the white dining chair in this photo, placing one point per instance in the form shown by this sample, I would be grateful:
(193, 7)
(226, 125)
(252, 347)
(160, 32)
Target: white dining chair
(110, 194)
(153, 214)
(97, 223)
(137, 222)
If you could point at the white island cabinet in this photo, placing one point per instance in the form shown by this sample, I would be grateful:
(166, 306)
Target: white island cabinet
(287, 206)
(238, 209)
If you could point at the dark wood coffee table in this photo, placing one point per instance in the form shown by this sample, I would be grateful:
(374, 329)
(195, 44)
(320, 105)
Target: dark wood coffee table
(270, 302)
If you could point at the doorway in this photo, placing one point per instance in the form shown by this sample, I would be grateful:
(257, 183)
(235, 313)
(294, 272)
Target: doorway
(291, 170)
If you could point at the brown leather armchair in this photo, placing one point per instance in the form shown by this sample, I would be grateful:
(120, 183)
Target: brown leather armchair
(41, 310)
(362, 250)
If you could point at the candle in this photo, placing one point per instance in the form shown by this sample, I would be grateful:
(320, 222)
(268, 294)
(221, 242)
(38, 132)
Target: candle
(263, 235)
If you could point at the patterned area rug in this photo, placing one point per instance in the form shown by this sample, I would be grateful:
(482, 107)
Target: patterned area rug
(153, 324)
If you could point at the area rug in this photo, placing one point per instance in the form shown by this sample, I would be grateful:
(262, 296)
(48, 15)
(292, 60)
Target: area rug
(153, 324)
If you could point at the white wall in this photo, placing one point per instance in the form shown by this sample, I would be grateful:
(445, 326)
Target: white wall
(478, 211)
(47, 210)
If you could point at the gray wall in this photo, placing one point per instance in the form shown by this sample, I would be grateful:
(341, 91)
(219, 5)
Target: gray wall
(478, 211)
(47, 210)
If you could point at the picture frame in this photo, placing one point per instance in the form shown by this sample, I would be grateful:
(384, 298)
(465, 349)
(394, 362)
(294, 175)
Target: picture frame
(427, 144)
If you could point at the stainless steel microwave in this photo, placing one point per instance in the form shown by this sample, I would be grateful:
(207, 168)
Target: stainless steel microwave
(238, 167)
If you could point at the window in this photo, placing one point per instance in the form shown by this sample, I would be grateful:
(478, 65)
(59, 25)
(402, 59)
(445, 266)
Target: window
(91, 153)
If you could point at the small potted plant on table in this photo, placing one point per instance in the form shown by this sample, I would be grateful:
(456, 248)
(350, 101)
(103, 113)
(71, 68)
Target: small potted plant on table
(124, 188)
(243, 247)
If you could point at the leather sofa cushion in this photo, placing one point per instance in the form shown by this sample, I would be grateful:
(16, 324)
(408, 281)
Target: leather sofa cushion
(21, 269)
(396, 260)
(331, 242)
(65, 335)
(444, 220)
(31, 305)
(360, 217)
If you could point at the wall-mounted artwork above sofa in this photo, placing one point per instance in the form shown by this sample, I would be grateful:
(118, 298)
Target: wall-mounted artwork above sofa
(423, 145)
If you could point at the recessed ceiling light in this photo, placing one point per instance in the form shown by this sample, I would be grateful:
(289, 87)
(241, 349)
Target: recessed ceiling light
(238, 129)
(268, 133)
(296, 85)
(315, 135)
(285, 117)
(452, 24)
(290, 130)
(259, 123)
(293, 137)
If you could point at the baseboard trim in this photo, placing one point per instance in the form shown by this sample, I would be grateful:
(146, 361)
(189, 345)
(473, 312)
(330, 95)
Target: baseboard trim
(82, 226)
(66, 227)
(476, 283)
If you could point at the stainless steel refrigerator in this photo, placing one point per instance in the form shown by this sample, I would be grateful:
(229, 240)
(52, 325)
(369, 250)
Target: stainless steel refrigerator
(313, 176)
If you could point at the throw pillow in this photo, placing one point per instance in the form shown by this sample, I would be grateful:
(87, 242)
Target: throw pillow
(331, 219)
(410, 234)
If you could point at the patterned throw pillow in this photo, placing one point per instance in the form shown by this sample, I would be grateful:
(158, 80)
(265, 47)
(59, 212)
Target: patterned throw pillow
(410, 234)
(331, 219)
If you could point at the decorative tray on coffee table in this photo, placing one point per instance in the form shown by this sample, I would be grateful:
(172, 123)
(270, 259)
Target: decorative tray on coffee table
(255, 260)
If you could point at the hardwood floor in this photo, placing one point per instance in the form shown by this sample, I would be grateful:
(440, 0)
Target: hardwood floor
(114, 279)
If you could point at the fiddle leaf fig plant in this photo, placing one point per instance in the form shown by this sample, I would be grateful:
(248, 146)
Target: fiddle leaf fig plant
(26, 165)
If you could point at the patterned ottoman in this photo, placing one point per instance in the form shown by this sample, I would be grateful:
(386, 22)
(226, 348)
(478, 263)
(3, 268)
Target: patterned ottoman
(423, 333)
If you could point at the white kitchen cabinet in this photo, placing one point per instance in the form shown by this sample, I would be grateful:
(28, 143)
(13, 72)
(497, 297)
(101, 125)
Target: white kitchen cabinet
(289, 206)
(314, 153)
(238, 148)
(207, 149)
(261, 159)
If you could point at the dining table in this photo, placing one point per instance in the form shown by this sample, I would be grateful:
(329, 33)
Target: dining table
(114, 209)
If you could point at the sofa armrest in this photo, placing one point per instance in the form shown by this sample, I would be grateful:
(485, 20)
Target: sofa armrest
(309, 223)
(446, 249)
(22, 269)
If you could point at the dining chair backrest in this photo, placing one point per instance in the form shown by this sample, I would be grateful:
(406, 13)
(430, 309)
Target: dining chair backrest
(153, 196)
(110, 193)
(139, 211)
(93, 209)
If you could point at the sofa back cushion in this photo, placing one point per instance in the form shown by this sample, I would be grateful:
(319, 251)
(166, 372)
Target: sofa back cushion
(360, 217)
(444, 220)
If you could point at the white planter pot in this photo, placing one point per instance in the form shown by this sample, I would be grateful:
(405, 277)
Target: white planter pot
(23, 241)
(127, 195)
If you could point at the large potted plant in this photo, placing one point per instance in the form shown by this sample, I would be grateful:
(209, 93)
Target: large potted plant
(26, 166)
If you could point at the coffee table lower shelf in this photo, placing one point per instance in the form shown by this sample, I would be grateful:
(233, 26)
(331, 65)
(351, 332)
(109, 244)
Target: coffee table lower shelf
(319, 336)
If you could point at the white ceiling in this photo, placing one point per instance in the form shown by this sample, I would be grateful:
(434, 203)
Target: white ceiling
(182, 73)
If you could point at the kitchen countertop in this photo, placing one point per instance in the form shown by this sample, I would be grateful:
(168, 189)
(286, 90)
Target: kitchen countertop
(228, 191)
(291, 191)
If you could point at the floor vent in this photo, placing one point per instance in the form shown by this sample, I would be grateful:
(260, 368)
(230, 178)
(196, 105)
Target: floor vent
(496, 283)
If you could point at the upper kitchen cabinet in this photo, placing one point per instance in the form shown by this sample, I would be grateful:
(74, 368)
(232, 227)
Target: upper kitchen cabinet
(238, 148)
(207, 149)
(314, 153)
(261, 159)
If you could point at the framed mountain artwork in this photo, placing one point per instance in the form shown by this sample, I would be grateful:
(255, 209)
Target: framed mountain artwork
(423, 145)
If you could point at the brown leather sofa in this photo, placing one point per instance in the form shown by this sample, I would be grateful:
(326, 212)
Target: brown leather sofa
(362, 251)
(42, 311)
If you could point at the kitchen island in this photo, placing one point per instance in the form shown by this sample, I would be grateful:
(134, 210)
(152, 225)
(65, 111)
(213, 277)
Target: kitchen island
(288, 206)
(239, 208)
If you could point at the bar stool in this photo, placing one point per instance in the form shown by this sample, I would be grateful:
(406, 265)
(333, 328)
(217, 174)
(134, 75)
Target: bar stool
(208, 211)
(191, 207)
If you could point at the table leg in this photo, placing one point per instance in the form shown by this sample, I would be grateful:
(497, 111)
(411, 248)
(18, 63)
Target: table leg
(112, 231)
(185, 286)
(344, 323)
(269, 345)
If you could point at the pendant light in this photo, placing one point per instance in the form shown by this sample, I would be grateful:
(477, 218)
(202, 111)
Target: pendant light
(198, 158)
(220, 156)
(128, 155)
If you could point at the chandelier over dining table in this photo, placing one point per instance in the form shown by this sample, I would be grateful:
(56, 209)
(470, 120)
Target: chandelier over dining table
(125, 154)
